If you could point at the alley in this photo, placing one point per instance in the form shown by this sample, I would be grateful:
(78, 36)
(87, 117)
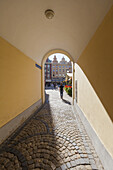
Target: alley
(53, 138)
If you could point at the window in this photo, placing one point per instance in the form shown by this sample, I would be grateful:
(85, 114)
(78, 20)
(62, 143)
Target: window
(53, 69)
(53, 66)
(59, 70)
(63, 62)
(62, 66)
(59, 66)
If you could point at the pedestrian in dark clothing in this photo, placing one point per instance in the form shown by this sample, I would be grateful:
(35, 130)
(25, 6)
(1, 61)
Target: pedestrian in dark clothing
(61, 90)
(54, 86)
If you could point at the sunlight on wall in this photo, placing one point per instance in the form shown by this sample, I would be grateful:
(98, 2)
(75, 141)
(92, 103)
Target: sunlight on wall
(97, 62)
(93, 109)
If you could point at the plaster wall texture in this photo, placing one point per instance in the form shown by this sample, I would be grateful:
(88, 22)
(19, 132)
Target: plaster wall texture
(25, 26)
(18, 121)
(20, 82)
(94, 111)
(97, 62)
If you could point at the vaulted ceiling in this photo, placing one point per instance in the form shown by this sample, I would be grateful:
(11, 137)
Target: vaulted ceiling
(24, 24)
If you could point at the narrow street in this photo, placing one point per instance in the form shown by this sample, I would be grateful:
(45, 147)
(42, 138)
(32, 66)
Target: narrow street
(54, 138)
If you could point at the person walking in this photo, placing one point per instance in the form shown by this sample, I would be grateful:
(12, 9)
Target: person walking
(52, 86)
(61, 88)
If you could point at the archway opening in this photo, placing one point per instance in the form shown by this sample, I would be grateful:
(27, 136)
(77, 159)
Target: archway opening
(57, 68)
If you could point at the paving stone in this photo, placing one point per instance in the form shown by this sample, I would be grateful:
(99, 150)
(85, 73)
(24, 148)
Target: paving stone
(90, 156)
(92, 161)
(73, 163)
(58, 168)
(88, 167)
(76, 147)
(53, 166)
(31, 166)
(68, 164)
(74, 143)
(30, 162)
(63, 167)
(7, 164)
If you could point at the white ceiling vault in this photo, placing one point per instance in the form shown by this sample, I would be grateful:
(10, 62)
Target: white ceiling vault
(24, 25)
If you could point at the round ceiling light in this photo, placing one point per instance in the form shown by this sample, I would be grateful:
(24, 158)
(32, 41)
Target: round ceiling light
(49, 13)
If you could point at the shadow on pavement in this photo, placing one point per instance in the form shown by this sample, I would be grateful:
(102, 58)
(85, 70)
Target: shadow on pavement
(33, 145)
(66, 101)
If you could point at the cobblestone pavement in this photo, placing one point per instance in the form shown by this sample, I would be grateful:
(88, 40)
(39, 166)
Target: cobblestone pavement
(52, 139)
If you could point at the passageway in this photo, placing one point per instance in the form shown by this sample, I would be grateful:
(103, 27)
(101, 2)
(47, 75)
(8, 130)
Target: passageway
(53, 138)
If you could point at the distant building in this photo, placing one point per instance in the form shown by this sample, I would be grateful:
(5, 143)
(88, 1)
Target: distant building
(48, 72)
(59, 69)
(56, 71)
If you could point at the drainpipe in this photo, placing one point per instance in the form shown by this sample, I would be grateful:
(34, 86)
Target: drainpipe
(73, 82)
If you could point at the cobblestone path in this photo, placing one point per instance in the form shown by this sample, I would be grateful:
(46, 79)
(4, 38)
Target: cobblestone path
(52, 139)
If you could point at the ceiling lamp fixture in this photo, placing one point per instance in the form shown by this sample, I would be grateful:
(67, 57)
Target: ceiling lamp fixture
(49, 13)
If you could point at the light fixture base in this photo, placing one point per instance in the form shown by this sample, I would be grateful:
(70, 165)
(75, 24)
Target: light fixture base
(49, 14)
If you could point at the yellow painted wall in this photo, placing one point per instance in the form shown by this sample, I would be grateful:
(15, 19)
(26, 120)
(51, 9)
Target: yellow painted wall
(20, 82)
(97, 62)
(94, 111)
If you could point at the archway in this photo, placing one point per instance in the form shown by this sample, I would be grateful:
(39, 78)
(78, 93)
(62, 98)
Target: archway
(42, 76)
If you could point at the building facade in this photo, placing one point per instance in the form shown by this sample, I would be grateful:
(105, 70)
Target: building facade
(59, 69)
(48, 72)
(56, 71)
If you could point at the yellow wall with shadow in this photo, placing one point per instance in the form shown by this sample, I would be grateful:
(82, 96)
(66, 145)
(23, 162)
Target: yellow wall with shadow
(97, 62)
(93, 110)
(20, 82)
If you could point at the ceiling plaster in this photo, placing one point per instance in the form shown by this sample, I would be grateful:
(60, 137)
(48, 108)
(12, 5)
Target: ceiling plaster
(24, 25)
